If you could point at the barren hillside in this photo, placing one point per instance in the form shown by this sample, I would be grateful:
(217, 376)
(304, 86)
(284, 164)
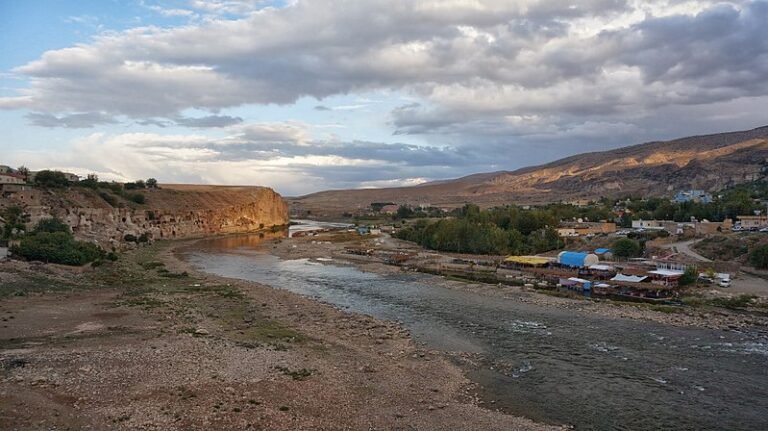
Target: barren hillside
(708, 162)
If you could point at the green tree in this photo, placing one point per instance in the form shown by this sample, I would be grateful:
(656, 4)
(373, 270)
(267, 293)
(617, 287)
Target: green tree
(689, 277)
(15, 221)
(625, 247)
(151, 183)
(759, 257)
(403, 212)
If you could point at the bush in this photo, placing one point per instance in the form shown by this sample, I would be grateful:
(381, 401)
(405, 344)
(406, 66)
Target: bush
(139, 184)
(57, 247)
(625, 247)
(51, 225)
(111, 200)
(759, 257)
(51, 179)
(129, 238)
(136, 198)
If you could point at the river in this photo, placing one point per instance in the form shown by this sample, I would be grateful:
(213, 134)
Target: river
(551, 365)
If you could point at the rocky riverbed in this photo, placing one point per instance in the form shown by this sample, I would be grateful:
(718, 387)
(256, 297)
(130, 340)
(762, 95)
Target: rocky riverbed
(148, 343)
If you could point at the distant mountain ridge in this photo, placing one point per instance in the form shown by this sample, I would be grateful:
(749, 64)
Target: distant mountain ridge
(708, 162)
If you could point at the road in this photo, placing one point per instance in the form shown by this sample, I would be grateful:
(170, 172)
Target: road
(684, 247)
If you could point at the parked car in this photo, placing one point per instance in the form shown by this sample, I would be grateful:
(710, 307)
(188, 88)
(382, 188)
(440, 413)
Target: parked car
(737, 228)
(724, 283)
(765, 229)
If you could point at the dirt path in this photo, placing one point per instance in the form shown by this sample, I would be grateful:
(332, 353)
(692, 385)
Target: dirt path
(684, 247)
(143, 345)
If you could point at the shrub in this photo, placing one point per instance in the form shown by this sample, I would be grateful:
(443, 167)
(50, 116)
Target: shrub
(51, 179)
(111, 200)
(57, 247)
(143, 238)
(136, 198)
(139, 184)
(759, 257)
(151, 183)
(129, 238)
(51, 225)
(625, 247)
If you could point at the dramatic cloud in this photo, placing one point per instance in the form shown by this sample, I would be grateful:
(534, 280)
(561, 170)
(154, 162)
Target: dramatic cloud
(491, 83)
(505, 57)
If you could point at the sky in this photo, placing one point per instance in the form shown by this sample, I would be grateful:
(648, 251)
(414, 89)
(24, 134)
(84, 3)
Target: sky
(310, 95)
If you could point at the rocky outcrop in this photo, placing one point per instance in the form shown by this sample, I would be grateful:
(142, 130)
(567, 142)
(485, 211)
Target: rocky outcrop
(174, 211)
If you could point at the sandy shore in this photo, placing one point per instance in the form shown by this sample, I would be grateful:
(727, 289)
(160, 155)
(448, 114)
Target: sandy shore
(150, 344)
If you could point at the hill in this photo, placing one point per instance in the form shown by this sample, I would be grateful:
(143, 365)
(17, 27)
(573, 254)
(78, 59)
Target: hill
(709, 162)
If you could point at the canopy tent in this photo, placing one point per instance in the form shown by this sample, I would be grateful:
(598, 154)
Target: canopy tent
(629, 278)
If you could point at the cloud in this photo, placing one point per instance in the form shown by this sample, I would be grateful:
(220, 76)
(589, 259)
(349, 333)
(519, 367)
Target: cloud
(514, 57)
(209, 121)
(490, 84)
(281, 155)
(71, 121)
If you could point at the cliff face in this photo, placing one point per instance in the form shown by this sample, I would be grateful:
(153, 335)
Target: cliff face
(174, 211)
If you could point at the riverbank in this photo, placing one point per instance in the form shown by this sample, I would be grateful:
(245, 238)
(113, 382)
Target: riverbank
(150, 343)
(333, 248)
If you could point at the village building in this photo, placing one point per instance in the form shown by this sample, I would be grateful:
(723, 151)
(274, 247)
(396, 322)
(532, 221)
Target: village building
(567, 229)
(575, 259)
(665, 277)
(526, 262)
(697, 196)
(704, 227)
(752, 221)
(72, 178)
(7, 170)
(389, 209)
(11, 178)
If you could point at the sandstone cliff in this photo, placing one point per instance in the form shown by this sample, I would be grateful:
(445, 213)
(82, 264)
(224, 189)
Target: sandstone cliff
(173, 211)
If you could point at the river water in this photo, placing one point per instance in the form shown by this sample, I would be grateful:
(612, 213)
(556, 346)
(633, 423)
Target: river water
(551, 365)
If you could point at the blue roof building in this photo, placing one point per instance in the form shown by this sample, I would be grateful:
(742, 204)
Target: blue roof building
(577, 259)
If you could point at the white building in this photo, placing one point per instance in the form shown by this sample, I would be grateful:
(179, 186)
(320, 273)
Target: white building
(10, 178)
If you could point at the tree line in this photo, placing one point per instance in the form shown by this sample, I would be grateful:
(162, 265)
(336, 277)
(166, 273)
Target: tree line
(508, 230)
